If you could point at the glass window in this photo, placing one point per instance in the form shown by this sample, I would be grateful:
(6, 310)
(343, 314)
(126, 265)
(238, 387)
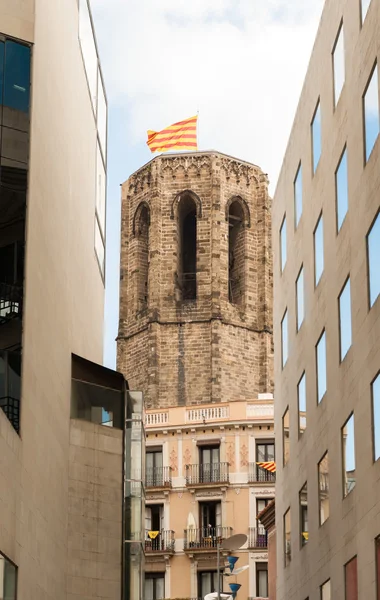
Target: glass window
(102, 116)
(300, 298)
(17, 76)
(262, 580)
(2, 52)
(373, 249)
(365, 5)
(304, 523)
(338, 64)
(371, 113)
(345, 319)
(99, 247)
(298, 195)
(324, 493)
(87, 42)
(154, 586)
(341, 189)
(283, 244)
(301, 393)
(208, 583)
(8, 579)
(287, 538)
(285, 437)
(284, 338)
(348, 453)
(321, 367)
(316, 136)
(326, 591)
(351, 579)
(100, 191)
(376, 416)
(318, 250)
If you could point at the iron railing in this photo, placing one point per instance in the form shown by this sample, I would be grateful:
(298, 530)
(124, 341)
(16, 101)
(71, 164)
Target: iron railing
(158, 477)
(10, 301)
(203, 538)
(257, 537)
(207, 473)
(163, 542)
(11, 407)
(259, 475)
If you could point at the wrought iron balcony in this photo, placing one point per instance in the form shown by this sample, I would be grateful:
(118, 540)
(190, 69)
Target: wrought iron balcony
(259, 475)
(257, 537)
(163, 542)
(207, 473)
(158, 477)
(205, 538)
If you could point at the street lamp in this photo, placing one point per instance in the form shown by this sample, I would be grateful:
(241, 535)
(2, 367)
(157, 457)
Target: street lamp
(232, 543)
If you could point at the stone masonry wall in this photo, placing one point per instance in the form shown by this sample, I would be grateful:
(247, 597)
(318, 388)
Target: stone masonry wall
(207, 350)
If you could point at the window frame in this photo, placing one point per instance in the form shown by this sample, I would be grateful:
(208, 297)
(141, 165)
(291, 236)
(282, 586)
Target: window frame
(337, 38)
(287, 412)
(355, 558)
(370, 306)
(316, 109)
(320, 220)
(362, 19)
(344, 471)
(303, 376)
(287, 561)
(154, 576)
(319, 490)
(286, 319)
(319, 400)
(367, 85)
(298, 323)
(321, 588)
(257, 570)
(298, 172)
(343, 153)
(283, 227)
(303, 541)
(343, 289)
(5, 557)
(374, 380)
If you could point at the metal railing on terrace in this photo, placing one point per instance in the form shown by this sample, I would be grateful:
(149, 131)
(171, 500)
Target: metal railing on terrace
(158, 477)
(259, 475)
(207, 473)
(257, 537)
(204, 538)
(162, 542)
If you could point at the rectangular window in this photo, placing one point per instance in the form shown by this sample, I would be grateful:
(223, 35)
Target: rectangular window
(376, 416)
(102, 116)
(316, 136)
(348, 454)
(371, 113)
(304, 523)
(99, 247)
(324, 493)
(154, 468)
(208, 583)
(87, 43)
(351, 579)
(298, 195)
(287, 538)
(209, 464)
(338, 64)
(345, 329)
(262, 580)
(373, 252)
(301, 393)
(364, 8)
(8, 579)
(264, 453)
(341, 189)
(285, 437)
(154, 586)
(300, 298)
(318, 250)
(284, 338)
(321, 367)
(326, 590)
(100, 192)
(283, 244)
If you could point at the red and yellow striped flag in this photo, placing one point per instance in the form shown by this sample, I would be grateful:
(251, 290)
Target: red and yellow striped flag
(269, 466)
(179, 136)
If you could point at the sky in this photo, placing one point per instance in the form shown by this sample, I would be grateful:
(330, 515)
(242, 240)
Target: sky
(240, 63)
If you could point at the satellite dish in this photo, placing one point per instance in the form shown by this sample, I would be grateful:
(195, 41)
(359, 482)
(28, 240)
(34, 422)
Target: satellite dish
(214, 596)
(234, 542)
(236, 571)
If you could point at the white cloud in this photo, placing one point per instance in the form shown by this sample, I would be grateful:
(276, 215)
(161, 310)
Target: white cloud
(240, 62)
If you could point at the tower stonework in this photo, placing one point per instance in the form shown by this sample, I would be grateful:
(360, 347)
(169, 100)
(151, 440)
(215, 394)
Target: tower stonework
(196, 281)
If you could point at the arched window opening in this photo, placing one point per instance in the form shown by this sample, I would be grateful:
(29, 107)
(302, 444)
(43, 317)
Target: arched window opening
(142, 232)
(187, 254)
(236, 265)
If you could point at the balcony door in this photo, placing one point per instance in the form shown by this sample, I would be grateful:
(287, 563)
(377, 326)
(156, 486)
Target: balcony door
(261, 539)
(264, 453)
(154, 586)
(154, 470)
(154, 521)
(262, 580)
(209, 464)
(210, 517)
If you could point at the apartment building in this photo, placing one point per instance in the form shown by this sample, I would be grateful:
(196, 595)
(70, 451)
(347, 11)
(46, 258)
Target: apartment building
(326, 238)
(195, 336)
(61, 469)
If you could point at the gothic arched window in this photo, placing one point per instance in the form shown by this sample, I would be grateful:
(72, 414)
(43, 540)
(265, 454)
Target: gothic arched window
(236, 253)
(187, 248)
(141, 227)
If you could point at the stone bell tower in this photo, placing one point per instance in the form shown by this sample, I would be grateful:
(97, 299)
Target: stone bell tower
(196, 280)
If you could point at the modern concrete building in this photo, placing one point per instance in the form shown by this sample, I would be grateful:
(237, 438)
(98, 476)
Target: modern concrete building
(326, 233)
(196, 336)
(61, 478)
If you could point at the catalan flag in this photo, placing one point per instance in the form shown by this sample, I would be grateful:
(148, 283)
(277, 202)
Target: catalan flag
(179, 136)
(269, 466)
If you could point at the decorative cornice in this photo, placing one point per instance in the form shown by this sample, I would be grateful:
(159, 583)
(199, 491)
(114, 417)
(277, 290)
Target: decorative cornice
(174, 163)
(242, 171)
(140, 179)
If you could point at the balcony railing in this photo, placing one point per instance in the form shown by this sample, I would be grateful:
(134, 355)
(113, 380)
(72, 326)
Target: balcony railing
(11, 407)
(205, 538)
(163, 542)
(10, 301)
(158, 477)
(207, 473)
(259, 475)
(257, 537)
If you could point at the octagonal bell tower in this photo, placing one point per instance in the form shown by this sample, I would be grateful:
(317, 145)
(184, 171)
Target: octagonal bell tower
(196, 280)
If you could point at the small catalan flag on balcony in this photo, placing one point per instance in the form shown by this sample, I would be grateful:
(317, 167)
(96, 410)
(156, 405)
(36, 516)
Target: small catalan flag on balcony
(269, 466)
(179, 136)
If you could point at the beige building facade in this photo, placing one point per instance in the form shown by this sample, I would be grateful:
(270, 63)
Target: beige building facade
(326, 239)
(61, 469)
(196, 336)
